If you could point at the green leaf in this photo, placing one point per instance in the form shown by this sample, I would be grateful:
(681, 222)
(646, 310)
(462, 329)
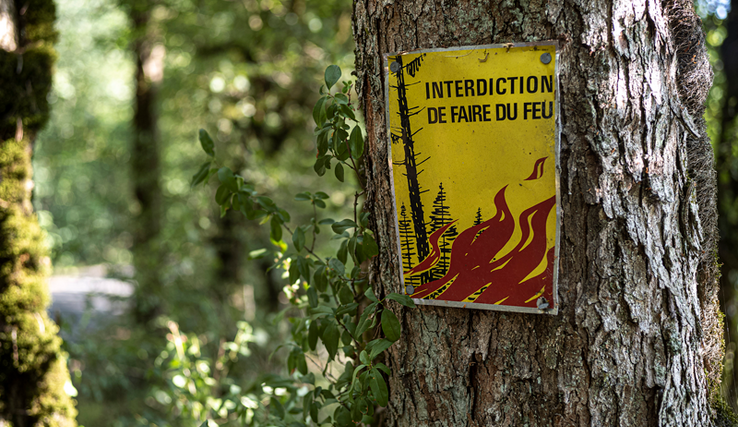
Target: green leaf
(226, 176)
(369, 246)
(402, 299)
(363, 324)
(321, 195)
(339, 172)
(276, 406)
(345, 295)
(322, 143)
(284, 215)
(376, 347)
(266, 202)
(201, 174)
(337, 265)
(312, 297)
(346, 110)
(341, 226)
(370, 294)
(330, 339)
(314, 412)
(383, 367)
(293, 272)
(313, 334)
(307, 401)
(352, 251)
(302, 197)
(341, 99)
(342, 417)
(332, 74)
(275, 232)
(356, 143)
(318, 111)
(222, 194)
(319, 166)
(298, 239)
(319, 279)
(207, 143)
(345, 338)
(303, 266)
(379, 388)
(391, 325)
(342, 252)
(347, 308)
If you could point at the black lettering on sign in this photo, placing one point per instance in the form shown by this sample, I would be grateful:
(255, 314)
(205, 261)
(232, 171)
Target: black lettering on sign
(433, 115)
(500, 110)
(546, 83)
(503, 90)
(486, 113)
(468, 87)
(437, 90)
(448, 88)
(512, 115)
(482, 87)
(476, 114)
(512, 84)
(550, 110)
(537, 110)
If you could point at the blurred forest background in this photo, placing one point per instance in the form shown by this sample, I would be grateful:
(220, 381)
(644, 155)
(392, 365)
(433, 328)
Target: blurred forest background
(133, 83)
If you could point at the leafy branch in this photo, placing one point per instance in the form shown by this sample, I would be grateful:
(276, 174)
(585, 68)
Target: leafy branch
(340, 310)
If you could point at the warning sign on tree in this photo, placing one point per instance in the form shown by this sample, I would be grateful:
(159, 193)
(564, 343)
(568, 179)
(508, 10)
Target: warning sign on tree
(474, 158)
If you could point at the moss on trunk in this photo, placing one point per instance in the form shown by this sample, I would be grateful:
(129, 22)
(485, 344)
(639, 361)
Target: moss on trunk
(33, 373)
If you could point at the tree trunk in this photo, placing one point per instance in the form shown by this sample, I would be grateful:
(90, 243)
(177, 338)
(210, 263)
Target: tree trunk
(727, 166)
(33, 374)
(637, 340)
(146, 169)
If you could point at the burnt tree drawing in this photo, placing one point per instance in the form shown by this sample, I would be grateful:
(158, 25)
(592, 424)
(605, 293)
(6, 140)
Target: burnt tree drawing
(405, 136)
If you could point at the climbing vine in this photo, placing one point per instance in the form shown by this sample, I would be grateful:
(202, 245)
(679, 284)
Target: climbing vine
(341, 313)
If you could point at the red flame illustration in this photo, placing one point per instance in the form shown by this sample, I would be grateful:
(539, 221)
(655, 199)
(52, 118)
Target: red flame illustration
(435, 254)
(479, 273)
(537, 169)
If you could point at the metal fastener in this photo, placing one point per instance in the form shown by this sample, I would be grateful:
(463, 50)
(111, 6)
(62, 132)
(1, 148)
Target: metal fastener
(409, 289)
(394, 67)
(546, 58)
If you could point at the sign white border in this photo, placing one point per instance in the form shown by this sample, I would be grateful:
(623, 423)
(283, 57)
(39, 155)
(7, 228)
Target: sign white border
(557, 151)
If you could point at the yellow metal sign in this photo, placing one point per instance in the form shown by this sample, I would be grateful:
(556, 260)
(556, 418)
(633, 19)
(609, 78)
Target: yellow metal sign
(475, 170)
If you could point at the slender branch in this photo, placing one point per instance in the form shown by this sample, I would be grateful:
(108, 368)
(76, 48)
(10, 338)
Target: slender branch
(315, 226)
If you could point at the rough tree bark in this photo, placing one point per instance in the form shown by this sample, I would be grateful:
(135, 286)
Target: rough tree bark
(638, 338)
(33, 371)
(727, 166)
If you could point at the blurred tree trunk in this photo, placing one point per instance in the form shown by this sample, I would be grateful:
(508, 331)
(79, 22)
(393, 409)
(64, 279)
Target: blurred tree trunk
(146, 169)
(727, 165)
(638, 338)
(33, 371)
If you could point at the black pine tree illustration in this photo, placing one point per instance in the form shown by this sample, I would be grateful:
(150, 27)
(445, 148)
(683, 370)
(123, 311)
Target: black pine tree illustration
(439, 217)
(478, 220)
(405, 135)
(407, 245)
(478, 217)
